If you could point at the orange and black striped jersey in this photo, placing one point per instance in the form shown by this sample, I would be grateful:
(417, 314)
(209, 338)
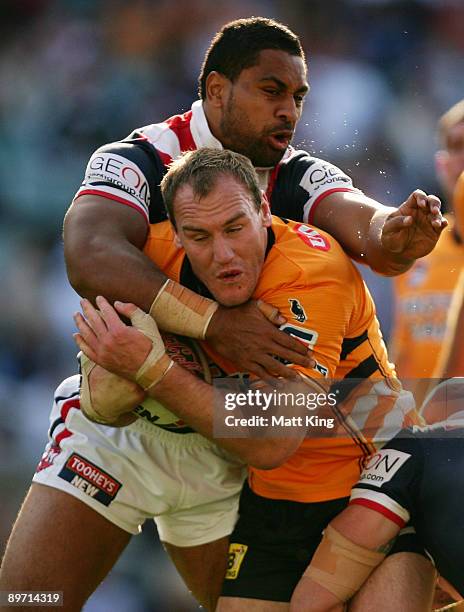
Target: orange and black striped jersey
(423, 295)
(308, 277)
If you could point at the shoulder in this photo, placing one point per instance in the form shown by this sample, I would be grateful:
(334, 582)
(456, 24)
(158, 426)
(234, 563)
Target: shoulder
(170, 138)
(309, 254)
(303, 180)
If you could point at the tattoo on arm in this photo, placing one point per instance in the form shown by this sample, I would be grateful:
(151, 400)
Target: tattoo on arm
(385, 548)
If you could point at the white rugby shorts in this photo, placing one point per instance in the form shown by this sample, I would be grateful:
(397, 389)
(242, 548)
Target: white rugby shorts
(187, 484)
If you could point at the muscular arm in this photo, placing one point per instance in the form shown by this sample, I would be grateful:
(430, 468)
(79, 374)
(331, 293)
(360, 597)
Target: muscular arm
(387, 239)
(102, 247)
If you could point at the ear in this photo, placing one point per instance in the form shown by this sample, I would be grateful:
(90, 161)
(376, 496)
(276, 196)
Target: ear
(217, 89)
(265, 211)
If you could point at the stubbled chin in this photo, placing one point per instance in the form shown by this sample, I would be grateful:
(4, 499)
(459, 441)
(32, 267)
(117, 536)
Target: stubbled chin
(232, 297)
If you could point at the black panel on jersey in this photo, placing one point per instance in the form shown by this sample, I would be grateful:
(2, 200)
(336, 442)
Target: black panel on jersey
(349, 344)
(288, 198)
(354, 377)
(139, 151)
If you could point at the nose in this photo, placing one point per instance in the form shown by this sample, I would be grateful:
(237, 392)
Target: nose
(288, 111)
(223, 253)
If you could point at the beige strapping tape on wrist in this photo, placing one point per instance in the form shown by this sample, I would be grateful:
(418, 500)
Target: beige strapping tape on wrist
(158, 363)
(85, 398)
(340, 565)
(178, 310)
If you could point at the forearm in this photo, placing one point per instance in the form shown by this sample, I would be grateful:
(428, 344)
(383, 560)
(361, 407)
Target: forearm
(194, 401)
(356, 222)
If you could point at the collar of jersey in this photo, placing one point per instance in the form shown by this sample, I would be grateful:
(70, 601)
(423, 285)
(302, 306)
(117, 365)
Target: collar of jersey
(199, 128)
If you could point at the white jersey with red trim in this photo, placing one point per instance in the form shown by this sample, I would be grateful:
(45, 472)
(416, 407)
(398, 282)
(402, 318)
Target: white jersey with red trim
(130, 171)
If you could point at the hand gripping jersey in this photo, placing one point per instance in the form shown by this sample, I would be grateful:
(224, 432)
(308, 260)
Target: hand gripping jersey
(307, 276)
(130, 171)
(423, 297)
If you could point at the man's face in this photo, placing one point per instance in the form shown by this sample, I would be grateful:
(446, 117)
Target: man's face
(263, 106)
(224, 237)
(450, 162)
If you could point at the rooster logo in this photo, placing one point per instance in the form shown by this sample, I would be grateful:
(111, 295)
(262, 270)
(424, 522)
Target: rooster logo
(297, 310)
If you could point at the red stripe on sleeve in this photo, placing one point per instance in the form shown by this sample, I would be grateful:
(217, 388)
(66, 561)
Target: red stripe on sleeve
(319, 199)
(67, 405)
(368, 503)
(62, 435)
(116, 198)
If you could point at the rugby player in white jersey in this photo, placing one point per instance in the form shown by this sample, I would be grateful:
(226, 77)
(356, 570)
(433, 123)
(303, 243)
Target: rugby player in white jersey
(250, 102)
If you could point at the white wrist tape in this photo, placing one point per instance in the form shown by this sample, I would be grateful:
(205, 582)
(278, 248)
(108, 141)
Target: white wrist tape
(178, 310)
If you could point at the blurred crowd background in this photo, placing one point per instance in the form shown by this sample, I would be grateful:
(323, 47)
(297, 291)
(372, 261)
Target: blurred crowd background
(78, 73)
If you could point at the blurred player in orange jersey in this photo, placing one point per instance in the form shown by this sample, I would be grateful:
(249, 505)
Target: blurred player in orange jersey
(451, 362)
(425, 292)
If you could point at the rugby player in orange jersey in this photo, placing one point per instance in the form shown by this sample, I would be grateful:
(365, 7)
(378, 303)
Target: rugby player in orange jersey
(421, 338)
(234, 250)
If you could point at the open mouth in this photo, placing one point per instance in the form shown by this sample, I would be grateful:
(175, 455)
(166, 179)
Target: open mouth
(280, 140)
(229, 276)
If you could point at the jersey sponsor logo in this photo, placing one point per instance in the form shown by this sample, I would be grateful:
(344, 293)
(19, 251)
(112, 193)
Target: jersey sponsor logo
(121, 173)
(90, 479)
(236, 555)
(380, 467)
(297, 310)
(311, 237)
(320, 174)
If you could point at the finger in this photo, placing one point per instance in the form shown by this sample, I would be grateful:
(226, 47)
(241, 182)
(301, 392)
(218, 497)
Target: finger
(275, 369)
(84, 347)
(271, 370)
(256, 369)
(84, 328)
(125, 308)
(270, 312)
(93, 317)
(434, 204)
(109, 314)
(420, 197)
(395, 224)
(294, 347)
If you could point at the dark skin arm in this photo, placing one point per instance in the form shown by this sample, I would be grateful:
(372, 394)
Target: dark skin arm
(103, 242)
(387, 239)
